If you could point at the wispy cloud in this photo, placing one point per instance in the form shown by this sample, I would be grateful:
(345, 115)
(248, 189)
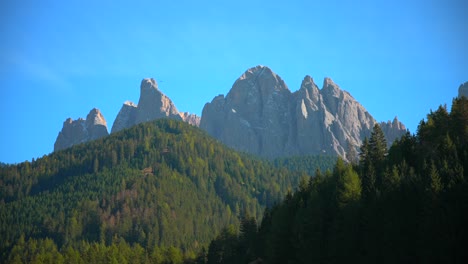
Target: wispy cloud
(37, 71)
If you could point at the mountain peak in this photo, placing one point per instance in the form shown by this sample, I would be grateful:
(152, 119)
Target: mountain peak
(259, 79)
(153, 104)
(256, 72)
(95, 117)
(463, 90)
(81, 130)
(309, 87)
(149, 83)
(328, 83)
(261, 116)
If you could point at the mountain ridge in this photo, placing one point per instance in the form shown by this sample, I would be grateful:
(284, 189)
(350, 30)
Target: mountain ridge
(260, 115)
(163, 183)
(81, 130)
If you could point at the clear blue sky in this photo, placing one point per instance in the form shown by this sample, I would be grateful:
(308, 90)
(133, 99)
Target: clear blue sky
(60, 59)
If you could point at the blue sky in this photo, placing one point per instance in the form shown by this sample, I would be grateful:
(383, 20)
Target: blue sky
(59, 59)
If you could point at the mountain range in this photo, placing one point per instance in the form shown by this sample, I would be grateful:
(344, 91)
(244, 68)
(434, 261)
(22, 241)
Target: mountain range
(259, 115)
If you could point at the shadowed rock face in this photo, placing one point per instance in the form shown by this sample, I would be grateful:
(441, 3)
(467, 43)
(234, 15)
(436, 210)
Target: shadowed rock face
(152, 105)
(81, 130)
(463, 90)
(260, 115)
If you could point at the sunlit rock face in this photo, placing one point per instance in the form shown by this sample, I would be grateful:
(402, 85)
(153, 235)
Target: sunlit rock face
(81, 130)
(463, 90)
(260, 115)
(152, 105)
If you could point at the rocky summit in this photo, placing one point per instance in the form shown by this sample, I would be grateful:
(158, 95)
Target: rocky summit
(152, 105)
(81, 130)
(463, 90)
(260, 115)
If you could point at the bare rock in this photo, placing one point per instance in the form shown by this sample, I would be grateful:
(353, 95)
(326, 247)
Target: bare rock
(192, 119)
(81, 130)
(393, 130)
(254, 114)
(463, 90)
(152, 105)
(261, 116)
(125, 118)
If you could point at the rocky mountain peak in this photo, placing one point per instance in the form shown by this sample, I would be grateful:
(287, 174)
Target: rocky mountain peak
(463, 90)
(330, 87)
(81, 130)
(309, 88)
(95, 117)
(148, 84)
(153, 104)
(261, 78)
(254, 109)
(393, 130)
(256, 71)
(261, 116)
(192, 119)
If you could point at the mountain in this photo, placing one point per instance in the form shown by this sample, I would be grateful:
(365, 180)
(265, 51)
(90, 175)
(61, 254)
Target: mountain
(157, 184)
(407, 205)
(152, 105)
(463, 90)
(82, 130)
(260, 115)
(393, 130)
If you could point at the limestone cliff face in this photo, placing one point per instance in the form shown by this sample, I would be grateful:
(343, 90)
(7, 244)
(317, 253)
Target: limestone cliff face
(81, 130)
(463, 90)
(253, 115)
(260, 115)
(393, 130)
(327, 119)
(152, 105)
(126, 117)
(192, 119)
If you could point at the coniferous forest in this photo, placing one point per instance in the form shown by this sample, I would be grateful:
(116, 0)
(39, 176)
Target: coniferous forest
(163, 189)
(166, 192)
(408, 204)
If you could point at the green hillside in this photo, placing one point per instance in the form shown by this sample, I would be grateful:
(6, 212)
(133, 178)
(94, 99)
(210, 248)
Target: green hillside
(156, 185)
(405, 205)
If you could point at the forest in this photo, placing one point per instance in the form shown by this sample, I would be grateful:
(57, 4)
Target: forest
(407, 204)
(165, 192)
(158, 192)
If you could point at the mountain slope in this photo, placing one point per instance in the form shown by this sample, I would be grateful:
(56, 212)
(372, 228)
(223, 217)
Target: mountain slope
(152, 105)
(260, 115)
(410, 206)
(163, 183)
(81, 130)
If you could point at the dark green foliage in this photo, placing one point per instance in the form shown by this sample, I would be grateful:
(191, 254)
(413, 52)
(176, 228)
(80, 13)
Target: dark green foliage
(410, 206)
(157, 184)
(45, 251)
(306, 164)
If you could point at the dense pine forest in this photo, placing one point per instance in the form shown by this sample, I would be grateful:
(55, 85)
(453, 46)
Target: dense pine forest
(158, 192)
(165, 192)
(405, 205)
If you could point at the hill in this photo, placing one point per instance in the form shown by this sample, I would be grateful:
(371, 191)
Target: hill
(155, 185)
(405, 205)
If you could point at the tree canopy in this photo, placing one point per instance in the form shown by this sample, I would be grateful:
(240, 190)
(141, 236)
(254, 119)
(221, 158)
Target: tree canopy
(409, 205)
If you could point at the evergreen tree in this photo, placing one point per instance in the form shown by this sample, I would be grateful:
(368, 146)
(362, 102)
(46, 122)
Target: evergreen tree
(377, 146)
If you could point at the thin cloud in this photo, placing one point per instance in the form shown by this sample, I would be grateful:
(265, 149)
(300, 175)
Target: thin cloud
(38, 71)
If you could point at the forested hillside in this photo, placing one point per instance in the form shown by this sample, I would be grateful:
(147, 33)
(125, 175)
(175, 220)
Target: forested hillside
(405, 205)
(163, 189)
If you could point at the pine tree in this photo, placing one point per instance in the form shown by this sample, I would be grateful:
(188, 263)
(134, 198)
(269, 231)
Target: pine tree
(364, 156)
(377, 146)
